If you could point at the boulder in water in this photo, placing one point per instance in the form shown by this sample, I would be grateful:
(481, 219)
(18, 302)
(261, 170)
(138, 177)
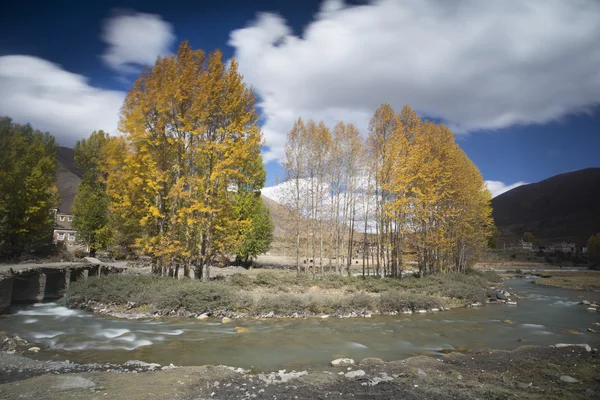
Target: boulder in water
(226, 320)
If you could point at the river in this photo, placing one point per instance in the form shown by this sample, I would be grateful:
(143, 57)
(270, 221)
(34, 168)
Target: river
(542, 317)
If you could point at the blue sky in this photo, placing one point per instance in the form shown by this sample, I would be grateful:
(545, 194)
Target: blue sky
(518, 81)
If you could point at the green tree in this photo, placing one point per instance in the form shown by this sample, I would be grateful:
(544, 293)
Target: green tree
(27, 189)
(593, 246)
(258, 239)
(493, 238)
(91, 200)
(528, 237)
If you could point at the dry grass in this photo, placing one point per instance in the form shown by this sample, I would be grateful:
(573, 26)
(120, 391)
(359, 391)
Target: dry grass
(578, 280)
(283, 293)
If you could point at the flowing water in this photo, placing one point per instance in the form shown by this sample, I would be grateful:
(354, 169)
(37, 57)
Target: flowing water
(543, 317)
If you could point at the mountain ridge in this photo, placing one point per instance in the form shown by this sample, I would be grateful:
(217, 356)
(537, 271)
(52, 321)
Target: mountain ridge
(562, 207)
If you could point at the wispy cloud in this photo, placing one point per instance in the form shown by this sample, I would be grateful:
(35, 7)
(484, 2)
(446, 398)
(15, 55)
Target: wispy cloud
(497, 187)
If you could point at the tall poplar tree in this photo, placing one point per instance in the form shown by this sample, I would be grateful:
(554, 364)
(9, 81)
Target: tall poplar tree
(192, 143)
(90, 206)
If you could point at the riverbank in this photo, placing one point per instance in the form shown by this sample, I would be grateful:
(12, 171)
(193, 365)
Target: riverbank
(275, 294)
(528, 372)
(576, 280)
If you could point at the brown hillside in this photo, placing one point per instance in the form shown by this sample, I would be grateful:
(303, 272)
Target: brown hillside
(67, 179)
(563, 207)
(279, 215)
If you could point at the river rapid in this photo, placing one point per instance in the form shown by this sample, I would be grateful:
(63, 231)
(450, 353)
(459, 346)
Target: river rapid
(544, 316)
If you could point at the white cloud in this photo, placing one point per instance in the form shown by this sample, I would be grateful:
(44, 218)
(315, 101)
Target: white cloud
(135, 39)
(39, 92)
(497, 187)
(474, 64)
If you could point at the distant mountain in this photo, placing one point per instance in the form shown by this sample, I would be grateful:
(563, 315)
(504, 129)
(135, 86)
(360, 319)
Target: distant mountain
(67, 179)
(563, 207)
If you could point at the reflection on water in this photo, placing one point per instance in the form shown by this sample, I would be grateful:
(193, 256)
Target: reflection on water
(543, 317)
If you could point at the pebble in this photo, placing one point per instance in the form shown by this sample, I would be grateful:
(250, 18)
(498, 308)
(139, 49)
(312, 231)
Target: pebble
(355, 374)
(342, 362)
(568, 379)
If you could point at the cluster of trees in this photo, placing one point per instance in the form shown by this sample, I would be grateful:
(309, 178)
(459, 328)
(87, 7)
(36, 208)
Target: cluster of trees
(183, 183)
(27, 189)
(408, 188)
(593, 249)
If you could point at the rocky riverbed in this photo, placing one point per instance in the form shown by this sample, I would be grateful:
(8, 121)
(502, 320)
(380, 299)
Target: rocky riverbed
(555, 372)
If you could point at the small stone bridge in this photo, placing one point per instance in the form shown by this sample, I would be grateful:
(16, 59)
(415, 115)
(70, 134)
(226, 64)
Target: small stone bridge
(34, 283)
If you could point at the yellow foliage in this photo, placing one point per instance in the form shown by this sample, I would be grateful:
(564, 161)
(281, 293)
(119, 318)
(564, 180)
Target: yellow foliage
(190, 135)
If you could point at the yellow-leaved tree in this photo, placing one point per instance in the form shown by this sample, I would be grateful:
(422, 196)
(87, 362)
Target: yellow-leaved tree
(191, 147)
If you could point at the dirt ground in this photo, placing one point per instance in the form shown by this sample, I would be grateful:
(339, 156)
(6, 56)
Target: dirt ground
(526, 373)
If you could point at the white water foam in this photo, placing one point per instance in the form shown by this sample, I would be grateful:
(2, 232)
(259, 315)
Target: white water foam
(55, 311)
(561, 303)
(357, 345)
(175, 332)
(533, 326)
(543, 333)
(129, 338)
(102, 346)
(139, 343)
(30, 321)
(111, 333)
(46, 335)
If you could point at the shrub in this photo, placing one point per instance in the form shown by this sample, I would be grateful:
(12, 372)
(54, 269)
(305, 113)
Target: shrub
(393, 300)
(361, 302)
(196, 297)
(241, 280)
(281, 304)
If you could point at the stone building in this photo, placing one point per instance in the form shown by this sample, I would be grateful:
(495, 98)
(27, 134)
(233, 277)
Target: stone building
(63, 231)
